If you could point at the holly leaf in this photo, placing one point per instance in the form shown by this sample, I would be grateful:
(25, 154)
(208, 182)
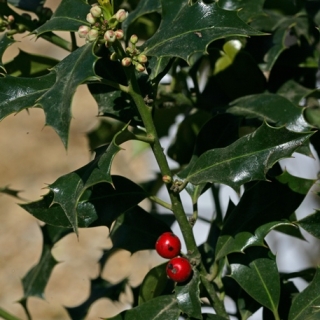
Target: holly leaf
(187, 296)
(311, 224)
(256, 272)
(99, 288)
(263, 207)
(160, 308)
(99, 205)
(5, 42)
(137, 230)
(247, 159)
(185, 29)
(273, 108)
(68, 17)
(306, 303)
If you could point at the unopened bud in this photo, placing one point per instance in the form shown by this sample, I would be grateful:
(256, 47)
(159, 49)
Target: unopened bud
(83, 31)
(134, 39)
(129, 50)
(140, 67)
(110, 36)
(119, 34)
(114, 56)
(142, 58)
(96, 11)
(126, 62)
(10, 18)
(121, 15)
(166, 179)
(90, 18)
(92, 35)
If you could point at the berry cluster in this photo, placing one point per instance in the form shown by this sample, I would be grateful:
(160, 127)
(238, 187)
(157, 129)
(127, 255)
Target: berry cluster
(178, 268)
(102, 29)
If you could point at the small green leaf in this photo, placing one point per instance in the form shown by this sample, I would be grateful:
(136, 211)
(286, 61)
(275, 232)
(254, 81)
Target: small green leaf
(137, 230)
(247, 159)
(5, 42)
(153, 283)
(272, 108)
(311, 223)
(256, 272)
(185, 29)
(306, 305)
(69, 16)
(188, 297)
(160, 308)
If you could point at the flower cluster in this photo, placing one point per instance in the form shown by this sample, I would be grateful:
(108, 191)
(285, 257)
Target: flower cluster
(102, 29)
(133, 56)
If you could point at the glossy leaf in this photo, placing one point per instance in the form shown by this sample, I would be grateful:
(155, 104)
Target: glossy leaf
(294, 92)
(5, 42)
(311, 223)
(99, 288)
(247, 159)
(261, 209)
(100, 204)
(153, 283)
(137, 230)
(185, 29)
(75, 69)
(188, 295)
(256, 272)
(273, 108)
(160, 308)
(69, 16)
(306, 304)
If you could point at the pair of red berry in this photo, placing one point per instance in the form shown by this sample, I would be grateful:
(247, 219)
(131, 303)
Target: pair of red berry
(178, 268)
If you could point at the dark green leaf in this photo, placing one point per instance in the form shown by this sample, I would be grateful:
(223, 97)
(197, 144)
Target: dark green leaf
(306, 274)
(185, 30)
(69, 16)
(100, 205)
(75, 69)
(247, 159)
(261, 208)
(160, 308)
(99, 288)
(311, 223)
(273, 108)
(5, 42)
(137, 230)
(293, 91)
(256, 272)
(153, 283)
(188, 296)
(158, 68)
(29, 65)
(305, 306)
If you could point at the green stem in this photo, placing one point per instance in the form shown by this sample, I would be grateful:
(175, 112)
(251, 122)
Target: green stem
(161, 202)
(73, 41)
(276, 315)
(7, 316)
(58, 41)
(114, 85)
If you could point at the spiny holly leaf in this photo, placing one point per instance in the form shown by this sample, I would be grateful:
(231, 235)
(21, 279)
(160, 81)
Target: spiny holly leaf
(247, 159)
(261, 209)
(256, 272)
(100, 204)
(75, 69)
(249, 10)
(153, 283)
(185, 29)
(188, 295)
(20, 93)
(306, 304)
(273, 108)
(311, 223)
(68, 17)
(5, 42)
(35, 281)
(294, 91)
(29, 65)
(137, 230)
(160, 308)
(99, 288)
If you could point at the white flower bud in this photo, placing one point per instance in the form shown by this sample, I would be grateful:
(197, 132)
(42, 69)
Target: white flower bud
(119, 34)
(110, 36)
(126, 62)
(140, 67)
(92, 35)
(121, 15)
(142, 58)
(90, 18)
(96, 11)
(83, 31)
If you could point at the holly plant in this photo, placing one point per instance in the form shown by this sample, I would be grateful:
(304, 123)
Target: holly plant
(242, 76)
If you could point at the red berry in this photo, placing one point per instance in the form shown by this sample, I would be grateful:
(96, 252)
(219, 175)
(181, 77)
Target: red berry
(168, 245)
(179, 269)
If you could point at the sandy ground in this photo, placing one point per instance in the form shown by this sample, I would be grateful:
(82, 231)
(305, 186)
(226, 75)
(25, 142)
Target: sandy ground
(32, 156)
